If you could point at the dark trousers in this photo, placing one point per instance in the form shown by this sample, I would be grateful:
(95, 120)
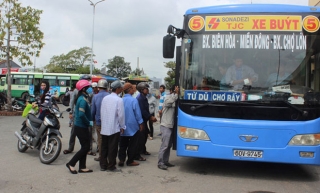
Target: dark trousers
(91, 140)
(72, 140)
(84, 139)
(128, 146)
(143, 139)
(42, 114)
(151, 126)
(109, 151)
(98, 128)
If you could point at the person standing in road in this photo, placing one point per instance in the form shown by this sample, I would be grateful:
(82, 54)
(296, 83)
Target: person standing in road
(72, 139)
(129, 139)
(96, 109)
(152, 105)
(45, 98)
(166, 127)
(82, 122)
(92, 130)
(143, 88)
(112, 125)
(162, 90)
(135, 92)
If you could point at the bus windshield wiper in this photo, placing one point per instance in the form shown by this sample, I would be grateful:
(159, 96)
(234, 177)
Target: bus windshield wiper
(303, 113)
(193, 108)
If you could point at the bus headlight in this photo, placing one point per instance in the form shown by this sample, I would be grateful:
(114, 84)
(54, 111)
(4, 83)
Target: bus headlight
(189, 133)
(308, 139)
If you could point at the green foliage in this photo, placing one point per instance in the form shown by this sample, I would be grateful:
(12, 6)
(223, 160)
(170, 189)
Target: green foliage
(20, 36)
(76, 61)
(25, 37)
(117, 67)
(170, 79)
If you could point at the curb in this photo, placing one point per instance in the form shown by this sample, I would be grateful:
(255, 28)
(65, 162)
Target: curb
(10, 113)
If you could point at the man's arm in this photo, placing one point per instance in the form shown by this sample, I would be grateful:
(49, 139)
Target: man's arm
(121, 114)
(93, 108)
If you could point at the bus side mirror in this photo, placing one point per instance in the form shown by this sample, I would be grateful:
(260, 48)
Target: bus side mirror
(169, 42)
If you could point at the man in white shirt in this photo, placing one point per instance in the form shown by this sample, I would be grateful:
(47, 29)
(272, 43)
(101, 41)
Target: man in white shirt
(112, 125)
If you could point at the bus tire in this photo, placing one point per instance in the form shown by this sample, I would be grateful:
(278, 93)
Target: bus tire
(61, 98)
(24, 95)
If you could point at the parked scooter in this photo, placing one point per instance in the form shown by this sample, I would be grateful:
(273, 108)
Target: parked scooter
(42, 135)
(17, 104)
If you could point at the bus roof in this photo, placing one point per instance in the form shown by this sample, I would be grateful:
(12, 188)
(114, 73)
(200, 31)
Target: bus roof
(40, 74)
(45, 73)
(252, 8)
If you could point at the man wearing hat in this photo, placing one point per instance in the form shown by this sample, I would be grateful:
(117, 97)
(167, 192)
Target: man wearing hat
(112, 125)
(129, 139)
(96, 108)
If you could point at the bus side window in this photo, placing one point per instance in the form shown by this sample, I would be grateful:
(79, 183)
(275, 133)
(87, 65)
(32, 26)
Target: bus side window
(68, 83)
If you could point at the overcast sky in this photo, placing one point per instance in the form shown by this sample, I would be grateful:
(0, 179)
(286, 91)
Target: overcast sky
(127, 28)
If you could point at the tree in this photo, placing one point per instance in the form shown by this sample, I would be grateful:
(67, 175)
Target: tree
(76, 61)
(19, 29)
(117, 67)
(170, 79)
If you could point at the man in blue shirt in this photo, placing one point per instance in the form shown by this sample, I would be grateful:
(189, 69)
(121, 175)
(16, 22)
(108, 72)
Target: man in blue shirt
(95, 110)
(143, 88)
(133, 120)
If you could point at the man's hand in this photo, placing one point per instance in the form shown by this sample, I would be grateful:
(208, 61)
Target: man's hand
(121, 131)
(34, 105)
(153, 119)
(160, 112)
(141, 127)
(176, 89)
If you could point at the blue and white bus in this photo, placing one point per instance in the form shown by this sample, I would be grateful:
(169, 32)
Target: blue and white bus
(249, 78)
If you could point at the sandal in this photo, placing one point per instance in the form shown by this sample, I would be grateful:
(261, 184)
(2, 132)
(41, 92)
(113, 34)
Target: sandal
(142, 159)
(146, 153)
(66, 151)
(91, 153)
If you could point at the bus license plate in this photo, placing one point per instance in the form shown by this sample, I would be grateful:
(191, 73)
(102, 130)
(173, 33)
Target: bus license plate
(247, 153)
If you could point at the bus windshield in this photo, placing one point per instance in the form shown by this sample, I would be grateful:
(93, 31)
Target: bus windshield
(257, 60)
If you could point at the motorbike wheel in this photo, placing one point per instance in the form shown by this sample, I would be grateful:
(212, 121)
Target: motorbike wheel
(53, 151)
(22, 148)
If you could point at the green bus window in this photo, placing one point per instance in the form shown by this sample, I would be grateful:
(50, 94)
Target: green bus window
(64, 81)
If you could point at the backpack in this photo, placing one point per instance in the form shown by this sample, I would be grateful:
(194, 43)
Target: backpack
(66, 100)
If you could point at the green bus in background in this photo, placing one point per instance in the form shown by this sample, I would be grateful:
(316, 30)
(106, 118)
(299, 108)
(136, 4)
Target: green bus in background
(28, 83)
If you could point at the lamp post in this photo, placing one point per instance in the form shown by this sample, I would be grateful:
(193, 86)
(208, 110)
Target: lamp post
(94, 7)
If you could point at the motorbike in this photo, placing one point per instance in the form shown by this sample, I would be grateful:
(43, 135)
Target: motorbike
(17, 104)
(42, 135)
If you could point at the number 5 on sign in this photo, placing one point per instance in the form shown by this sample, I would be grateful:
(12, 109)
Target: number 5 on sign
(311, 23)
(196, 23)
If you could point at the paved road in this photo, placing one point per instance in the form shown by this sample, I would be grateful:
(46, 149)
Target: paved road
(23, 172)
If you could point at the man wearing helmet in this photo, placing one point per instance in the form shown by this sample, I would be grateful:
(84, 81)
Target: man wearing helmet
(143, 88)
(72, 139)
(95, 110)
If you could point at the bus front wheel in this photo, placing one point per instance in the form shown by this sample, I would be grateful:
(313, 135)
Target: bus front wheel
(25, 95)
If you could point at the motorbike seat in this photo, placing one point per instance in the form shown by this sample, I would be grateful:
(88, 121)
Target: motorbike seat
(34, 121)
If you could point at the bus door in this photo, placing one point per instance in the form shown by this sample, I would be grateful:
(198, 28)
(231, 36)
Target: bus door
(2, 84)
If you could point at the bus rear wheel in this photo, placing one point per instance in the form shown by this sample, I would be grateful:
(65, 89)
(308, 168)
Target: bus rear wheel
(61, 98)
